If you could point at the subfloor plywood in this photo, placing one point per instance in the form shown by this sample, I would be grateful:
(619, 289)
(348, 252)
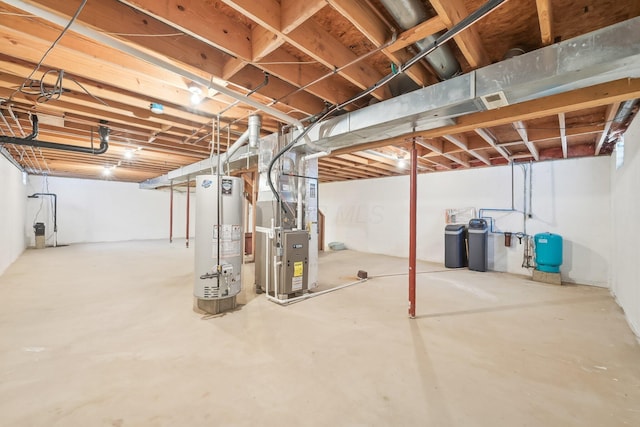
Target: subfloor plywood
(105, 334)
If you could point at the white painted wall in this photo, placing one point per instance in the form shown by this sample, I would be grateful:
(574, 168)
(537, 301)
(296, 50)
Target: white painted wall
(13, 195)
(570, 198)
(103, 211)
(625, 202)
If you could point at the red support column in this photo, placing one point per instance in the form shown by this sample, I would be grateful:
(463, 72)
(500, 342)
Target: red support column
(171, 214)
(188, 192)
(413, 205)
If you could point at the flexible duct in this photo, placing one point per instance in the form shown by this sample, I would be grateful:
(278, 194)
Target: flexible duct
(30, 140)
(408, 14)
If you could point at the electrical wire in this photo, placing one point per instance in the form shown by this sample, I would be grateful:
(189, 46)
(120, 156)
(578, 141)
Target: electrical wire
(53, 45)
(143, 35)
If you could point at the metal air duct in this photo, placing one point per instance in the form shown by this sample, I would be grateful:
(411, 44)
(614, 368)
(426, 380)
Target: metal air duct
(408, 14)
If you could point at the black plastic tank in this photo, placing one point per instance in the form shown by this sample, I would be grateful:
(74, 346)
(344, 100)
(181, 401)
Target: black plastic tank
(478, 245)
(455, 246)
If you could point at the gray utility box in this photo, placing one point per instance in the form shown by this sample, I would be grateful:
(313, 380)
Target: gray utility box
(295, 262)
(455, 246)
(478, 244)
(289, 247)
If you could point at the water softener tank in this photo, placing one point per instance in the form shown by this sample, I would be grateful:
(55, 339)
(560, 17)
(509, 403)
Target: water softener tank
(548, 252)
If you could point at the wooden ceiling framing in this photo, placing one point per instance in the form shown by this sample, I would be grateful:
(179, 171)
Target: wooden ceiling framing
(311, 54)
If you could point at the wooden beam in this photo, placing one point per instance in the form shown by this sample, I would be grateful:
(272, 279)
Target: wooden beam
(360, 14)
(201, 21)
(263, 42)
(545, 19)
(266, 13)
(114, 17)
(579, 99)
(612, 110)
(521, 128)
(309, 37)
(289, 68)
(417, 33)
(563, 134)
(456, 158)
(460, 141)
(314, 41)
(295, 12)
(16, 68)
(491, 141)
(452, 12)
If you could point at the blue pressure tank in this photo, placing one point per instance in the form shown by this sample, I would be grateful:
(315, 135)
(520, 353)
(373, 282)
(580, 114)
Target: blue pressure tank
(548, 252)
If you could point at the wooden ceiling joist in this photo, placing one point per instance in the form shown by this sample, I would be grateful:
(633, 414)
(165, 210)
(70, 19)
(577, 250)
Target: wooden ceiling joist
(305, 47)
(452, 12)
(521, 128)
(609, 116)
(545, 18)
(563, 134)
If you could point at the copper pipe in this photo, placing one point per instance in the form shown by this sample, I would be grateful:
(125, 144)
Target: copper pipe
(188, 191)
(413, 204)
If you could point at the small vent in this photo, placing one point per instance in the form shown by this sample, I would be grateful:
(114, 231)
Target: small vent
(210, 292)
(494, 100)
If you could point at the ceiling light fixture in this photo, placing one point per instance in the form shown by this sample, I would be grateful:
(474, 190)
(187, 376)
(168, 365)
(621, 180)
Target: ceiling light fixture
(128, 154)
(106, 171)
(196, 95)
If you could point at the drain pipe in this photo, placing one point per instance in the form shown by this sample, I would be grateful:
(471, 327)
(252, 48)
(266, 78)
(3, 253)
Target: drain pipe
(30, 140)
(55, 213)
(408, 14)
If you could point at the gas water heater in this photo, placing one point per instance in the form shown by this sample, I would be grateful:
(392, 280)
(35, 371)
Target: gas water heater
(218, 243)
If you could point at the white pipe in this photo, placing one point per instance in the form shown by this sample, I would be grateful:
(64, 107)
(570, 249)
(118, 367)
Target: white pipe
(234, 147)
(276, 278)
(255, 121)
(301, 182)
(314, 294)
(316, 155)
(142, 55)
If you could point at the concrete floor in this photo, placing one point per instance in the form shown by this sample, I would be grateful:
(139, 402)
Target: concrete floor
(105, 335)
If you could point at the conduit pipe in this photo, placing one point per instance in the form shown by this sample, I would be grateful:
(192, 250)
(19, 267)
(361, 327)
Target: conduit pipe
(30, 140)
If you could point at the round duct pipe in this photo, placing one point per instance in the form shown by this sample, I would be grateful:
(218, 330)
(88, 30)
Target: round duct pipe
(255, 121)
(408, 14)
